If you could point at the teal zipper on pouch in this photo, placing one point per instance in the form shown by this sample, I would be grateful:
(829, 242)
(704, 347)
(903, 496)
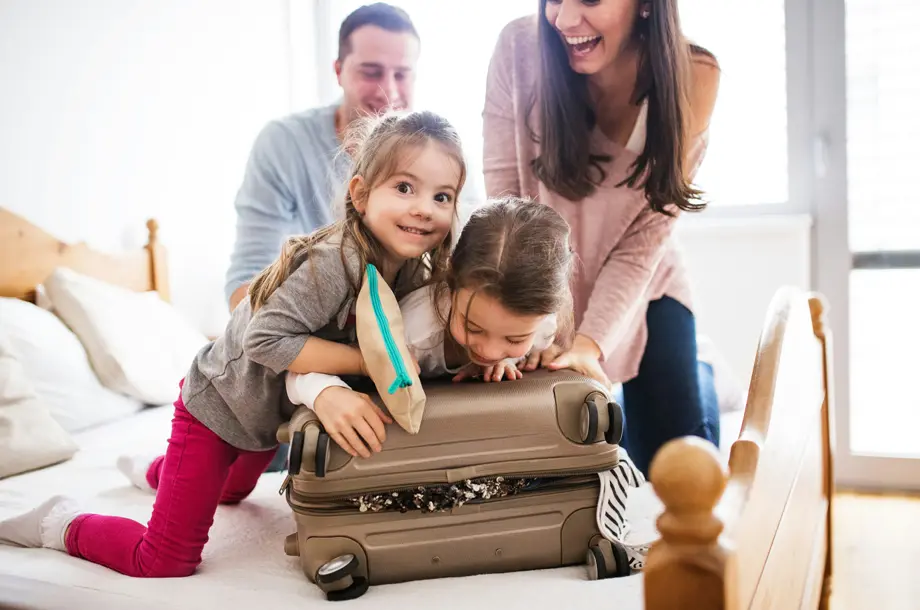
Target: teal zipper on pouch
(402, 376)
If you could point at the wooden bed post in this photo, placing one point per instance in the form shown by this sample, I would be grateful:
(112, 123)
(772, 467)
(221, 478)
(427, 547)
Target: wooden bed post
(818, 306)
(158, 270)
(686, 566)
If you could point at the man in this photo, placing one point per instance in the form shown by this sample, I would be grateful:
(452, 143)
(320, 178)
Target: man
(296, 169)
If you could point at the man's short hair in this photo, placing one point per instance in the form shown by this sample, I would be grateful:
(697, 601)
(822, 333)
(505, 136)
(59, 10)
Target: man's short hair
(381, 14)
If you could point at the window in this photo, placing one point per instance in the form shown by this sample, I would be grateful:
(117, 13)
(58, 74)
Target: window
(883, 128)
(883, 91)
(747, 158)
(884, 413)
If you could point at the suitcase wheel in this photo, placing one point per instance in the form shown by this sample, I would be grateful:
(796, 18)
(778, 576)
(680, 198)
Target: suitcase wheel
(595, 418)
(358, 588)
(336, 579)
(607, 560)
(615, 415)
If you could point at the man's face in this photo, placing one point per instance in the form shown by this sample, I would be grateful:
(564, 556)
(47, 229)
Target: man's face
(379, 72)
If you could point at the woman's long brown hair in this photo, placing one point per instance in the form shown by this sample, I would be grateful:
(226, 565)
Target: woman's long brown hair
(378, 147)
(566, 164)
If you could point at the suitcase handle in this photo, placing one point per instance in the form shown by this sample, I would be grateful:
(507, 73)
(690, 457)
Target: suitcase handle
(311, 443)
(615, 415)
(321, 462)
(594, 418)
(295, 457)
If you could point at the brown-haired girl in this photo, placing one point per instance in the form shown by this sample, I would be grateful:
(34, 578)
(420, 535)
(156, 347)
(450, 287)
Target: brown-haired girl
(399, 212)
(601, 109)
(506, 294)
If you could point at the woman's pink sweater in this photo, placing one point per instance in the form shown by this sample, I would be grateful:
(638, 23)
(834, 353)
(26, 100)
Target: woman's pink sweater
(627, 256)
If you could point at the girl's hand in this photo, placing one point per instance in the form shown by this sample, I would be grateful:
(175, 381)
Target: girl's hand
(584, 358)
(495, 372)
(348, 417)
(537, 359)
(469, 371)
(502, 370)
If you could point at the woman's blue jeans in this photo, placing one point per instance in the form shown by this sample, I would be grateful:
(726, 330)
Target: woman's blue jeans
(673, 395)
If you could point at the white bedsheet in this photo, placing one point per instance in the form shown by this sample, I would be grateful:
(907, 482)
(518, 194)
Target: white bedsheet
(244, 565)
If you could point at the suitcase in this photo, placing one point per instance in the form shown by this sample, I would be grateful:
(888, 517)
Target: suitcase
(532, 446)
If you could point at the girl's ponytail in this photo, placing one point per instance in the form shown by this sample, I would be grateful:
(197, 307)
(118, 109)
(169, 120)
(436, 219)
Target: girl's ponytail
(274, 275)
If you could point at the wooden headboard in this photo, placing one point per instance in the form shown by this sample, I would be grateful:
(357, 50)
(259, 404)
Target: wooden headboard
(28, 255)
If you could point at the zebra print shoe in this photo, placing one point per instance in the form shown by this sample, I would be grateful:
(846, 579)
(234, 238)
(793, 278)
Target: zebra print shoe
(611, 507)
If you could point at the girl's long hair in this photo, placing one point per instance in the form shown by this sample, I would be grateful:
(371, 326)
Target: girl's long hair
(378, 146)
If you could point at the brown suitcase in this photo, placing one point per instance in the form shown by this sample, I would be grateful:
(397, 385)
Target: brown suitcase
(548, 434)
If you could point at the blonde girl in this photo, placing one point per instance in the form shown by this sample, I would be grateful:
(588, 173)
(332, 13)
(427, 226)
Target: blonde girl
(400, 208)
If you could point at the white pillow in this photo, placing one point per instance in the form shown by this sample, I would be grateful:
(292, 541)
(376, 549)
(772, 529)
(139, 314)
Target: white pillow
(30, 438)
(139, 345)
(58, 369)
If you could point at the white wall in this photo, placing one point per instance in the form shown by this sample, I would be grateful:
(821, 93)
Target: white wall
(113, 111)
(736, 265)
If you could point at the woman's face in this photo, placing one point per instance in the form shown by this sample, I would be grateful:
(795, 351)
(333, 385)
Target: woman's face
(594, 32)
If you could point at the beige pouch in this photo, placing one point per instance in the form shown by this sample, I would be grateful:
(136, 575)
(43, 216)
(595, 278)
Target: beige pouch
(382, 340)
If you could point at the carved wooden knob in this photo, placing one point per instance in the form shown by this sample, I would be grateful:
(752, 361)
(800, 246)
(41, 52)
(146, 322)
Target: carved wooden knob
(818, 306)
(689, 478)
(152, 228)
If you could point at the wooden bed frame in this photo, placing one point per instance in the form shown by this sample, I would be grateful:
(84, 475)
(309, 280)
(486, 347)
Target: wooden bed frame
(28, 255)
(755, 535)
(759, 535)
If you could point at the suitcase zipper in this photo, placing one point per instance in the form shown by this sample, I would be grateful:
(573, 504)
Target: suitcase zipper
(287, 486)
(337, 506)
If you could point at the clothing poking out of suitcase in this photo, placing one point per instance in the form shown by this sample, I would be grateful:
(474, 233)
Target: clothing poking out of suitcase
(500, 477)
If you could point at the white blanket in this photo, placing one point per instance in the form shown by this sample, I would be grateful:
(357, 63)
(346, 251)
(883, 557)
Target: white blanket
(244, 565)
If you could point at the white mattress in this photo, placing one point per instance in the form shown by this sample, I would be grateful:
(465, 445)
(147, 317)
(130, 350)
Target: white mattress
(244, 565)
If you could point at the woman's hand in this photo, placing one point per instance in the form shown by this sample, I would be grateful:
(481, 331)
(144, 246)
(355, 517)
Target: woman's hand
(497, 372)
(584, 357)
(348, 417)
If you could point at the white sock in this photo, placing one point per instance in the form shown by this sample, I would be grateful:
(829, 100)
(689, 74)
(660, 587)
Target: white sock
(43, 526)
(135, 467)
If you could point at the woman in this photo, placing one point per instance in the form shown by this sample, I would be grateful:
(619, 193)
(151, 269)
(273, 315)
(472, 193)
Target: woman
(600, 109)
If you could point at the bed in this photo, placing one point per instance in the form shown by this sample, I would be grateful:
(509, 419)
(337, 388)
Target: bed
(746, 525)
